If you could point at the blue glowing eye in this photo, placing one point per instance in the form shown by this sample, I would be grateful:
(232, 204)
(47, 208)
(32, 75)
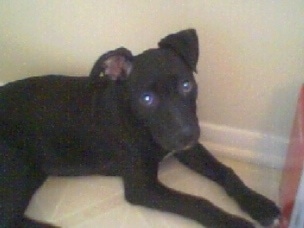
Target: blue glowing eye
(186, 86)
(147, 99)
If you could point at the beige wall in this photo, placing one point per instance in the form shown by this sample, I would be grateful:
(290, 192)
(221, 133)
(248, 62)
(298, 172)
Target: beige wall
(252, 52)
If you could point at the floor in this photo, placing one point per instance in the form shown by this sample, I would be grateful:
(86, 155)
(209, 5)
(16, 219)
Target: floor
(98, 201)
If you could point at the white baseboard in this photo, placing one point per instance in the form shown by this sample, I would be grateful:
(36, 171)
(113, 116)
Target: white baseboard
(244, 145)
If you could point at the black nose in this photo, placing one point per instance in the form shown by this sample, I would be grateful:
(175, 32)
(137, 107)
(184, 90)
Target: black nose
(187, 136)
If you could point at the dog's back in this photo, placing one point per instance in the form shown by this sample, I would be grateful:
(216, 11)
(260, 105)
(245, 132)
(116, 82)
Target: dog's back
(51, 117)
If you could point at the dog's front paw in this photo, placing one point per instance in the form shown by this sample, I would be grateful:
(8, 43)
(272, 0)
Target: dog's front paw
(261, 209)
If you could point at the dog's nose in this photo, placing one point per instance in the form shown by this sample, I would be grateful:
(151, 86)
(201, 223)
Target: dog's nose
(187, 136)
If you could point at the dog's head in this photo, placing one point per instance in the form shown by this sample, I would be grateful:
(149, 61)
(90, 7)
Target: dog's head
(162, 88)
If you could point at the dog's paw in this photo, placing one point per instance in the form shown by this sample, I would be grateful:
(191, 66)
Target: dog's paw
(262, 210)
(275, 224)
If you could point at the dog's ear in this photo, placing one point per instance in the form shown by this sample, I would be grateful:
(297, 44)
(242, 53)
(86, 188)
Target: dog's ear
(115, 64)
(185, 44)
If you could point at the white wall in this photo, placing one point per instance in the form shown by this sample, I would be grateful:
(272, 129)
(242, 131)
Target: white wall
(63, 36)
(251, 68)
(251, 62)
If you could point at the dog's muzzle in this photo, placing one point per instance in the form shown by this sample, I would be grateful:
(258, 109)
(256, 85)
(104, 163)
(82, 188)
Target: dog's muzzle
(182, 139)
(187, 138)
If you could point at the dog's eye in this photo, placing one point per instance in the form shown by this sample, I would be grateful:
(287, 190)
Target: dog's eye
(148, 99)
(186, 86)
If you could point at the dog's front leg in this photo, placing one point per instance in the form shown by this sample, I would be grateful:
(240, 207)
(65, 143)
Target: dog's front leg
(257, 206)
(143, 188)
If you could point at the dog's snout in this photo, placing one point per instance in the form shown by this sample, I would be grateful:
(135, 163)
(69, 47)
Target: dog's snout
(187, 136)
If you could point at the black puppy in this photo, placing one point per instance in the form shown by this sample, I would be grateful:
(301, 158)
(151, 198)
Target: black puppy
(58, 125)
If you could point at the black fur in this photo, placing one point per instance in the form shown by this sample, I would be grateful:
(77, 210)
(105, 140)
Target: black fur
(68, 126)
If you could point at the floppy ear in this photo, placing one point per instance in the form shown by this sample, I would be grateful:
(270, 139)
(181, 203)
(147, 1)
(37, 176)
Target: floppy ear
(185, 44)
(115, 64)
